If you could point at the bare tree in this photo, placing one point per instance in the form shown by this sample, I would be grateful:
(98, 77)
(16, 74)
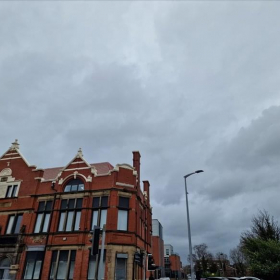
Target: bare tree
(202, 257)
(238, 259)
(201, 251)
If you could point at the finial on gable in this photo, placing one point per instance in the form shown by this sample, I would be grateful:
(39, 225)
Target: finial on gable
(15, 145)
(80, 153)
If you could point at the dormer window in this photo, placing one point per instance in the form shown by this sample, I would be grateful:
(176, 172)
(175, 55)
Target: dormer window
(75, 185)
(9, 187)
(12, 191)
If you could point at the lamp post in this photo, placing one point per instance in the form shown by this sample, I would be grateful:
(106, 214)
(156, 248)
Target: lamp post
(188, 219)
(222, 266)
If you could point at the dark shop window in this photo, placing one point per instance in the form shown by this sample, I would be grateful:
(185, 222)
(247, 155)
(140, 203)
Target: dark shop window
(33, 265)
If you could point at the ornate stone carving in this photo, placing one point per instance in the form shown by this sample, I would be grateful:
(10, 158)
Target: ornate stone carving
(6, 172)
(89, 178)
(15, 145)
(80, 153)
(38, 238)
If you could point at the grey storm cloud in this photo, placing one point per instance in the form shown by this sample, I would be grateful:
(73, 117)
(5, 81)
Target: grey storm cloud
(191, 85)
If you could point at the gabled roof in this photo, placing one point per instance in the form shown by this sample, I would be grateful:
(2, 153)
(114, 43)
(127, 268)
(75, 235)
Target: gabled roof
(101, 168)
(80, 156)
(14, 153)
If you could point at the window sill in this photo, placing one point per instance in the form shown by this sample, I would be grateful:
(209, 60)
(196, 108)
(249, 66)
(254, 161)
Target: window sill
(7, 198)
(65, 232)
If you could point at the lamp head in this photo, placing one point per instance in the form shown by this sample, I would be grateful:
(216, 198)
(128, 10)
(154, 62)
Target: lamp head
(197, 171)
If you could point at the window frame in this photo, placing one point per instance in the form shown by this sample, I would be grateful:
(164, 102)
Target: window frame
(46, 211)
(38, 257)
(14, 190)
(98, 209)
(14, 224)
(67, 212)
(91, 260)
(56, 261)
(74, 182)
(5, 267)
(5, 183)
(124, 257)
(123, 206)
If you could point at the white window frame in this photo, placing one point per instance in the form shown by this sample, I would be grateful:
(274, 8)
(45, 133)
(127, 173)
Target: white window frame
(4, 188)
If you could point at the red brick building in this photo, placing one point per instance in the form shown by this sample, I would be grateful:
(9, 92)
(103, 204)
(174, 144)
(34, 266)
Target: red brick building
(46, 216)
(158, 249)
(173, 264)
(173, 267)
(176, 266)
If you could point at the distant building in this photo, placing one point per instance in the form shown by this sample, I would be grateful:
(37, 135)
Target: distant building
(175, 266)
(172, 263)
(168, 250)
(46, 216)
(158, 248)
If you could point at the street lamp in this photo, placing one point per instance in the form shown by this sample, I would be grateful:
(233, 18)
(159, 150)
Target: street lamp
(188, 218)
(222, 266)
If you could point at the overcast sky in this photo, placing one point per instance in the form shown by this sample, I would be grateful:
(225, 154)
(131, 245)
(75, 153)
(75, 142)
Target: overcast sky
(191, 85)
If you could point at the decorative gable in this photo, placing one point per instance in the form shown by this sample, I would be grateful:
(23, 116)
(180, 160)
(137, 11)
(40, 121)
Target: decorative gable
(77, 164)
(13, 153)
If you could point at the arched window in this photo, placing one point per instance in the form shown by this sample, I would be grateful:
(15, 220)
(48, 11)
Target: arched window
(75, 185)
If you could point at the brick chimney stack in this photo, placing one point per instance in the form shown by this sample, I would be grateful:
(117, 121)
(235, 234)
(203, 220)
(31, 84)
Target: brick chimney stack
(136, 165)
(147, 190)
